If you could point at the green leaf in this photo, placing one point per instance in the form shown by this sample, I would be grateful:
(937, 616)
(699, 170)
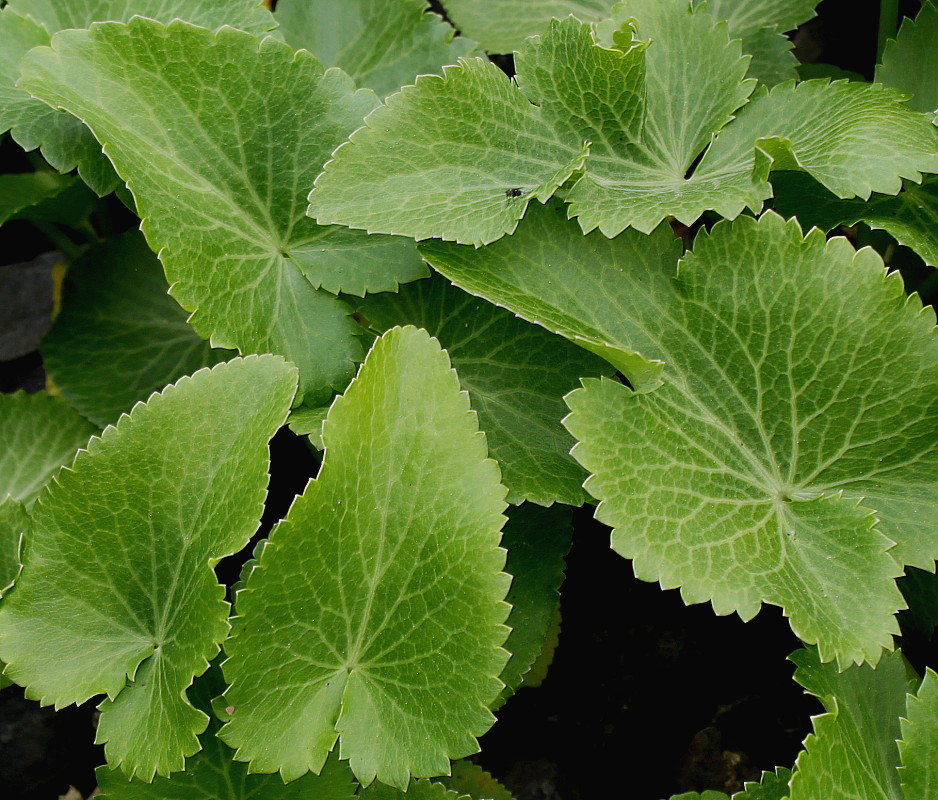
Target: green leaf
(771, 786)
(910, 217)
(798, 398)
(516, 376)
(853, 751)
(500, 26)
(470, 780)
(213, 774)
(910, 61)
(119, 336)
(853, 138)
(38, 434)
(374, 615)
(918, 748)
(64, 141)
(537, 540)
(382, 44)
(18, 192)
(460, 157)
(417, 790)
(920, 590)
(117, 595)
(13, 523)
(307, 421)
(218, 157)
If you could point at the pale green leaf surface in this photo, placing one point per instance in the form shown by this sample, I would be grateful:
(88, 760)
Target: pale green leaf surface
(501, 26)
(22, 191)
(918, 748)
(910, 61)
(470, 780)
(119, 336)
(516, 376)
(797, 384)
(213, 774)
(854, 138)
(64, 141)
(13, 523)
(454, 157)
(537, 540)
(382, 44)
(218, 137)
(374, 615)
(772, 59)
(852, 754)
(910, 217)
(38, 434)
(117, 595)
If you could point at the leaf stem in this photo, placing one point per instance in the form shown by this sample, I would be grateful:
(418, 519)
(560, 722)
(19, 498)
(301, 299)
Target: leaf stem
(888, 25)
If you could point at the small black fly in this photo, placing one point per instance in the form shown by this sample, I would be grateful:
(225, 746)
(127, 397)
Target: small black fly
(513, 193)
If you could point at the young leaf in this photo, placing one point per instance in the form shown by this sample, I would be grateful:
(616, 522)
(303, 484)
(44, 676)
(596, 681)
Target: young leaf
(918, 748)
(117, 595)
(910, 217)
(217, 156)
(516, 376)
(119, 336)
(38, 434)
(500, 26)
(382, 44)
(853, 750)
(213, 774)
(537, 540)
(910, 61)
(374, 615)
(798, 397)
(64, 141)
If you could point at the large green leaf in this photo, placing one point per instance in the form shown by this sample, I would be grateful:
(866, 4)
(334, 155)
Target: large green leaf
(64, 141)
(459, 158)
(218, 156)
(537, 540)
(38, 434)
(501, 26)
(213, 774)
(117, 595)
(919, 746)
(798, 398)
(516, 375)
(853, 752)
(374, 615)
(382, 44)
(910, 61)
(119, 336)
(911, 217)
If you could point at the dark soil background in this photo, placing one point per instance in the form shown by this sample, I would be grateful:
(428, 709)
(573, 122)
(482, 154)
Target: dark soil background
(646, 697)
